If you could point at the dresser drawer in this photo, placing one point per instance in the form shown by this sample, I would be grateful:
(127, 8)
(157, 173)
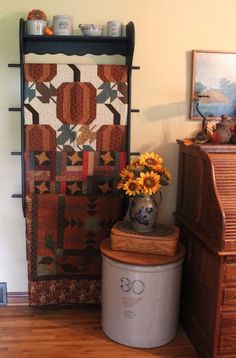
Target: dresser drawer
(227, 341)
(229, 298)
(229, 272)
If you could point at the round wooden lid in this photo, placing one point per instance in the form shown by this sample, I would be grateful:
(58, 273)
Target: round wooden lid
(135, 258)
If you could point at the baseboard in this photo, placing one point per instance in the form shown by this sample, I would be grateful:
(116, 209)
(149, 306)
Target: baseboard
(17, 298)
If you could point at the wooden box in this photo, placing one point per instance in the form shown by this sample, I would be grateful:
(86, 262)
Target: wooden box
(163, 240)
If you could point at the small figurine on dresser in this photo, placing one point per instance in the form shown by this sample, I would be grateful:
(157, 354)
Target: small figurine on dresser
(223, 130)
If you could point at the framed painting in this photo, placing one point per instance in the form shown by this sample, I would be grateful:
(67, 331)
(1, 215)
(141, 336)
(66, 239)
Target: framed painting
(213, 85)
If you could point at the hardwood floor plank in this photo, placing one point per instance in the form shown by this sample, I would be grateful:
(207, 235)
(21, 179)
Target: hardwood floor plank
(68, 332)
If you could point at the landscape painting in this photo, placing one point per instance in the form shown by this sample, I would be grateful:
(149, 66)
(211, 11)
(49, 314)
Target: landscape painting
(213, 84)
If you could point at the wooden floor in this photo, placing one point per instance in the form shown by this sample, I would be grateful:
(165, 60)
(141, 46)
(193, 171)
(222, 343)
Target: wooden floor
(71, 332)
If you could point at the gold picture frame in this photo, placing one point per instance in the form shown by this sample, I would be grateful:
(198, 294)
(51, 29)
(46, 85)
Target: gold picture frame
(213, 84)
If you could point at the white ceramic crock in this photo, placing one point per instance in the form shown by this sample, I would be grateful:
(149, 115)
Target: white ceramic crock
(114, 28)
(62, 25)
(140, 304)
(35, 27)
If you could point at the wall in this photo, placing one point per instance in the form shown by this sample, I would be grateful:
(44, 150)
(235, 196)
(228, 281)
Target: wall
(166, 32)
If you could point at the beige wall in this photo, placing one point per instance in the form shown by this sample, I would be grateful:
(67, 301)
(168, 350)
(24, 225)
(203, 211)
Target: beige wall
(166, 32)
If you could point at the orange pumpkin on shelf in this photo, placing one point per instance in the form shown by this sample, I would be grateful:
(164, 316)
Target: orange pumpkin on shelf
(36, 14)
(48, 30)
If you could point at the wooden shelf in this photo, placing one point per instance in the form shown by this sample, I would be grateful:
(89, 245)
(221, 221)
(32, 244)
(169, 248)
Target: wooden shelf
(78, 44)
(71, 45)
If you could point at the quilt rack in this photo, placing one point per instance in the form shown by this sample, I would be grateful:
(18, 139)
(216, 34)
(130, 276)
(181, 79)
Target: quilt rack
(72, 45)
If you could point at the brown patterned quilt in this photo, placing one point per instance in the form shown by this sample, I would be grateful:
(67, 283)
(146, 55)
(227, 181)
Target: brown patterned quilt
(75, 146)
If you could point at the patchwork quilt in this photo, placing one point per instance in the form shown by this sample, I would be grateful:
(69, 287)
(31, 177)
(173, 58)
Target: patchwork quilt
(75, 146)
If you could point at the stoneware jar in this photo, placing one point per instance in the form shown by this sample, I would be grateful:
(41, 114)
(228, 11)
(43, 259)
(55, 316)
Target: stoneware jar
(143, 211)
(114, 28)
(35, 27)
(62, 25)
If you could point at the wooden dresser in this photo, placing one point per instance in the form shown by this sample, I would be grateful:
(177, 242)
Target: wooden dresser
(206, 215)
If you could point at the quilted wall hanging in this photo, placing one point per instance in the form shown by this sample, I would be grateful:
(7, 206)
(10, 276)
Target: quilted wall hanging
(75, 146)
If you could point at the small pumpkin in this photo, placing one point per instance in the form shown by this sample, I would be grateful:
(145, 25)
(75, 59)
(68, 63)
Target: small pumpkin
(48, 30)
(36, 14)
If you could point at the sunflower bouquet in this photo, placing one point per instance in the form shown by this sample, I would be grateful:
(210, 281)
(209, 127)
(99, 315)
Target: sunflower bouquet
(144, 176)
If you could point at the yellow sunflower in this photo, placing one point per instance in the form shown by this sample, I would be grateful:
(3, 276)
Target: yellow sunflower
(167, 174)
(150, 182)
(152, 160)
(132, 187)
(135, 164)
(158, 168)
(120, 185)
(125, 176)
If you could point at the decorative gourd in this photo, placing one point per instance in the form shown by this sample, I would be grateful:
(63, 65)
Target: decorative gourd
(36, 14)
(48, 30)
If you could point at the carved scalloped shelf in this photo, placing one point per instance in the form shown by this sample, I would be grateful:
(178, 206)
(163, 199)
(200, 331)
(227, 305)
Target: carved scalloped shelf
(78, 45)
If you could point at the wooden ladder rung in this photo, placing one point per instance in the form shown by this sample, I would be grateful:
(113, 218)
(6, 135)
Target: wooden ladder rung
(16, 196)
